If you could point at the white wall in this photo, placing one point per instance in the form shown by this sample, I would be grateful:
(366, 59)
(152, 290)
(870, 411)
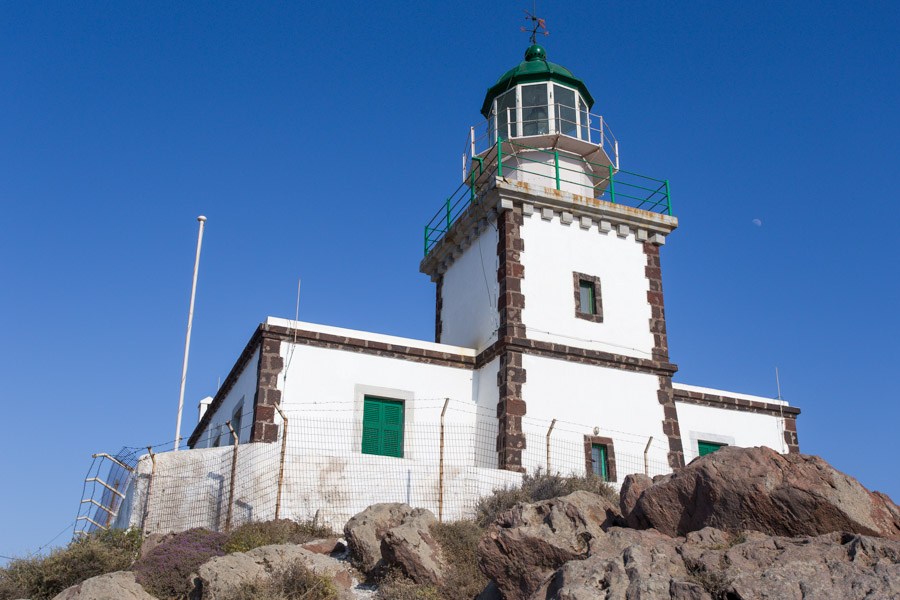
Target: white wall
(538, 168)
(244, 390)
(553, 251)
(623, 405)
(732, 427)
(469, 316)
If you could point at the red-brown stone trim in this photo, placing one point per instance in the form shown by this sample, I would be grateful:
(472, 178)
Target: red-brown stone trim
(226, 386)
(653, 272)
(670, 424)
(597, 316)
(591, 440)
(350, 344)
(741, 404)
(511, 375)
(438, 308)
(267, 396)
(790, 435)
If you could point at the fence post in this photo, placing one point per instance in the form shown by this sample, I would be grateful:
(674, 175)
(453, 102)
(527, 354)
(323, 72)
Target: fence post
(448, 216)
(441, 472)
(149, 489)
(668, 200)
(556, 162)
(549, 431)
(281, 464)
(647, 464)
(231, 485)
(612, 190)
(472, 141)
(499, 157)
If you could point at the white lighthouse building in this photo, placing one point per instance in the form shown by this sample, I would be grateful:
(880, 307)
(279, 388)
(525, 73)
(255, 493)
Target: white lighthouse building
(550, 346)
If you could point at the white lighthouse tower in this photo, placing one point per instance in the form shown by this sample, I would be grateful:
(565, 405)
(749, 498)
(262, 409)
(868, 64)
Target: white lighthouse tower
(546, 260)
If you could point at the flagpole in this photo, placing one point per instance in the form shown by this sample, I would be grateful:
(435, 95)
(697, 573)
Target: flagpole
(187, 339)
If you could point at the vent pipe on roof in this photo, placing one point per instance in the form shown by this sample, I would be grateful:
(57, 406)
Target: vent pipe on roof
(203, 407)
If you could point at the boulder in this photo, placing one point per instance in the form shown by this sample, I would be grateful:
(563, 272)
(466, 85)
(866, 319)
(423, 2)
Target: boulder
(111, 586)
(632, 488)
(411, 548)
(757, 488)
(329, 546)
(530, 541)
(712, 564)
(364, 532)
(223, 574)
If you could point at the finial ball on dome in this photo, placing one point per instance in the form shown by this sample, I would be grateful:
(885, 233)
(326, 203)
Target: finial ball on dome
(535, 52)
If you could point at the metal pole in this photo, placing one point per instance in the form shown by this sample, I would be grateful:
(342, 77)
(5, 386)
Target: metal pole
(281, 466)
(187, 340)
(646, 464)
(441, 473)
(549, 431)
(231, 485)
(556, 162)
(612, 191)
(149, 489)
(472, 141)
(668, 199)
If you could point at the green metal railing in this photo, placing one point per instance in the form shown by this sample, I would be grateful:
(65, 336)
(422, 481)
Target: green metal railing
(605, 183)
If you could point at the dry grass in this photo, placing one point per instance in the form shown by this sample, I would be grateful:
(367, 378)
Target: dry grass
(283, 531)
(294, 582)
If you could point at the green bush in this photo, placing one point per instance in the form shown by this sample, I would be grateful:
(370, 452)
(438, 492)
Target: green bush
(537, 487)
(283, 531)
(294, 582)
(165, 570)
(42, 578)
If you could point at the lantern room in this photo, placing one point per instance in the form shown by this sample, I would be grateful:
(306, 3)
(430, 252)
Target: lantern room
(540, 130)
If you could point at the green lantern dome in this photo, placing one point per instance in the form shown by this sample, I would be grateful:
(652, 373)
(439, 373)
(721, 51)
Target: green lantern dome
(534, 68)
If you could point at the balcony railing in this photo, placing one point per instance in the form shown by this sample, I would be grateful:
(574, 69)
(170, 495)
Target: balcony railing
(529, 121)
(606, 183)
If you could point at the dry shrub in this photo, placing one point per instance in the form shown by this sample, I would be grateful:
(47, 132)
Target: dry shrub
(459, 544)
(395, 586)
(293, 582)
(42, 578)
(537, 487)
(165, 571)
(283, 531)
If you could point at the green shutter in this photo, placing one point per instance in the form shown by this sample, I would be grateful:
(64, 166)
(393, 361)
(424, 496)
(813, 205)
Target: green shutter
(383, 427)
(705, 448)
(598, 458)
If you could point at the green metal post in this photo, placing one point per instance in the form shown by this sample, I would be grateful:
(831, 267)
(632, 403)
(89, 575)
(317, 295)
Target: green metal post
(499, 156)
(612, 190)
(556, 162)
(448, 216)
(426, 240)
(668, 200)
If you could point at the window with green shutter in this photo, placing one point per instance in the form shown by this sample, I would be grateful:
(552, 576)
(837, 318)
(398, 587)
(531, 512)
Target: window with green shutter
(599, 461)
(382, 427)
(705, 448)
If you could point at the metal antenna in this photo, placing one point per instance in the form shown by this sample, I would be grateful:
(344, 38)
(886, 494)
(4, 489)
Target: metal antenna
(778, 383)
(537, 25)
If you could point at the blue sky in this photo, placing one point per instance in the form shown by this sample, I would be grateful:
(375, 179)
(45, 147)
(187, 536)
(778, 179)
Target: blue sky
(318, 138)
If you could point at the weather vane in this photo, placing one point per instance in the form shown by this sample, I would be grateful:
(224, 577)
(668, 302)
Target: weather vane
(537, 25)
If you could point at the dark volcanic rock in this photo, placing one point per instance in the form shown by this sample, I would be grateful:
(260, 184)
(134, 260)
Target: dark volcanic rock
(757, 488)
(529, 542)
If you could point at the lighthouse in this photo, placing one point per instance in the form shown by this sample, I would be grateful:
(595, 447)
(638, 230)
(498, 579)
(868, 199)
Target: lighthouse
(546, 262)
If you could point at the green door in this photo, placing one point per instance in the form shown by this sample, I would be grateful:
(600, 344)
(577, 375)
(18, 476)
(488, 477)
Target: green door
(707, 447)
(382, 427)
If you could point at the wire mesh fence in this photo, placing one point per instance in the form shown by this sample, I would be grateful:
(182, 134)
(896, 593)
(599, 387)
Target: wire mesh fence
(318, 469)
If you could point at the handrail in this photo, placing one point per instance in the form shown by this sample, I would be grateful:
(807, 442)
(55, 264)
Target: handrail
(607, 182)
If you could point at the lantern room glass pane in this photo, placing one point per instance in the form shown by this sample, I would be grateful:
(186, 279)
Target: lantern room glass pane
(584, 118)
(534, 110)
(506, 115)
(565, 111)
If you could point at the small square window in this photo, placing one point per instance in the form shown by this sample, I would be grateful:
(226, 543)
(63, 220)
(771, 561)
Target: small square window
(588, 302)
(382, 427)
(704, 448)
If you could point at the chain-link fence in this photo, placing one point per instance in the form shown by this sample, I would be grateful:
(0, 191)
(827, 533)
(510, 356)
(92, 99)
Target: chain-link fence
(318, 469)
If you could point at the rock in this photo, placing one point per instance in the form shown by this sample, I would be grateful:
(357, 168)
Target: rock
(223, 574)
(712, 564)
(111, 586)
(330, 546)
(757, 488)
(632, 487)
(530, 541)
(152, 541)
(365, 530)
(411, 548)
